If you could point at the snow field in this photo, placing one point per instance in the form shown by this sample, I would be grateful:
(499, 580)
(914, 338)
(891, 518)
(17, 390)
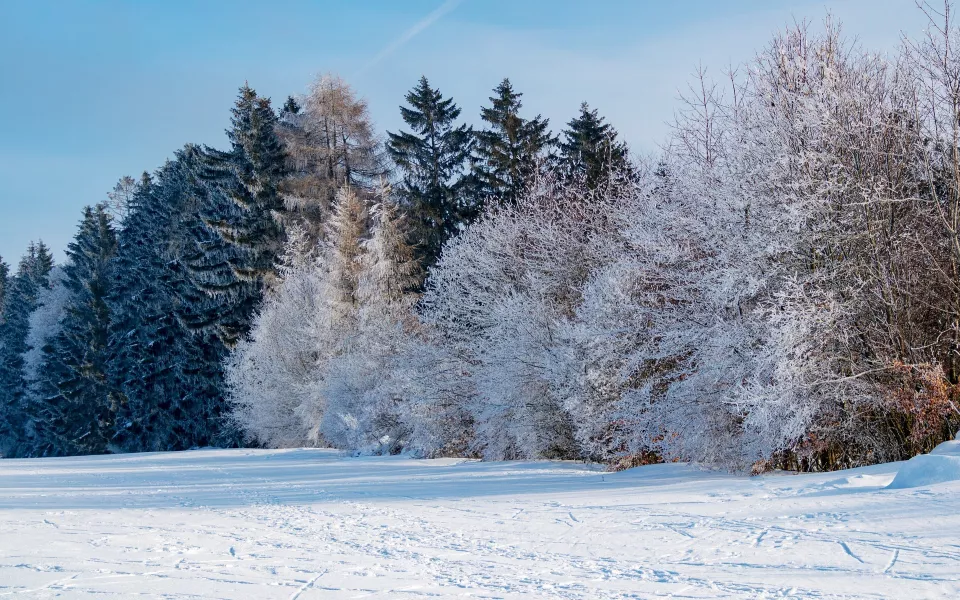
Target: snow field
(301, 524)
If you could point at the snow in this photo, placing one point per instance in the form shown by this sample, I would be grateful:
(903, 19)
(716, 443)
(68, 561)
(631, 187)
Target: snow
(301, 524)
(940, 466)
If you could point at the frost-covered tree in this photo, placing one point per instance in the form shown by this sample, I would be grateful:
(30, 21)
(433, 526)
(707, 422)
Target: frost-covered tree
(4, 284)
(73, 403)
(120, 197)
(793, 320)
(363, 385)
(347, 229)
(433, 158)
(270, 375)
(501, 296)
(311, 317)
(331, 143)
(167, 375)
(45, 323)
(44, 326)
(20, 300)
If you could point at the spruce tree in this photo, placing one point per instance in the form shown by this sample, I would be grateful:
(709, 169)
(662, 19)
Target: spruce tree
(590, 150)
(290, 107)
(4, 283)
(245, 209)
(74, 412)
(19, 301)
(511, 149)
(433, 158)
(167, 378)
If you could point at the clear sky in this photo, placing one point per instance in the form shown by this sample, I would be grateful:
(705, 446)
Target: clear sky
(91, 91)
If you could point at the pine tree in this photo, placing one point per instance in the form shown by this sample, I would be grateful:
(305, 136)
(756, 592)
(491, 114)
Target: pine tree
(433, 159)
(71, 412)
(246, 212)
(511, 149)
(74, 412)
(290, 107)
(590, 149)
(167, 378)
(19, 301)
(4, 284)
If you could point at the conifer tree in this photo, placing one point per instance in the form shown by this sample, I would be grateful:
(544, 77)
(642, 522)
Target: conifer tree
(74, 410)
(590, 148)
(290, 107)
(390, 270)
(511, 148)
(346, 232)
(433, 158)
(45, 324)
(167, 378)
(247, 215)
(331, 143)
(19, 301)
(4, 283)
(362, 394)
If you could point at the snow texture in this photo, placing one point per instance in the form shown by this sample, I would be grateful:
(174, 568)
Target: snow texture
(940, 466)
(309, 523)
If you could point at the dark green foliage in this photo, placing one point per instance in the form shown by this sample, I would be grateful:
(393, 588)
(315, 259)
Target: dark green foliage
(4, 283)
(511, 149)
(20, 299)
(243, 206)
(433, 159)
(73, 410)
(167, 378)
(590, 149)
(290, 107)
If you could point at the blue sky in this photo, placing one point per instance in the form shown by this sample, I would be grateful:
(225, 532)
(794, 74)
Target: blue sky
(91, 91)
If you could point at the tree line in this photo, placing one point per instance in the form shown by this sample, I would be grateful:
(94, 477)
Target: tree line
(125, 347)
(778, 287)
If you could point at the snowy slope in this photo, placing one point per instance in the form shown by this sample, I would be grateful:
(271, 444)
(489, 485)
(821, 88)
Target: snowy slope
(312, 524)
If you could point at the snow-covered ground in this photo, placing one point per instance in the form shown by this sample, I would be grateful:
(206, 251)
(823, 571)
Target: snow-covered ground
(300, 524)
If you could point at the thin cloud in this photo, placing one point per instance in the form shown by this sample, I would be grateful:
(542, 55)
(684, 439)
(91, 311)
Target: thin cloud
(411, 33)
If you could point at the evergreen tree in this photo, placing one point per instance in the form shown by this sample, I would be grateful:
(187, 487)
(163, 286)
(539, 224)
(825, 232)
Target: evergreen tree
(4, 283)
(290, 107)
(19, 301)
(74, 412)
(590, 149)
(246, 211)
(45, 324)
(167, 378)
(433, 159)
(511, 148)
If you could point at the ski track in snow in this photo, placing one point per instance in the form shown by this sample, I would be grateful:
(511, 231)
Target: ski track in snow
(308, 524)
